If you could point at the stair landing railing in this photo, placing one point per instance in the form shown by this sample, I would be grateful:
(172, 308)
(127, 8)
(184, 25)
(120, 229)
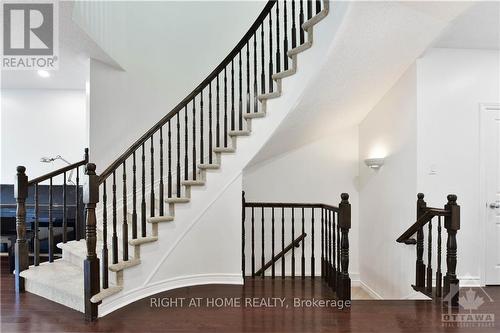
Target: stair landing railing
(282, 238)
(445, 287)
(22, 186)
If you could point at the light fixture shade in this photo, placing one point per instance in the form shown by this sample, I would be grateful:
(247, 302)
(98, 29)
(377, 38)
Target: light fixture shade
(374, 163)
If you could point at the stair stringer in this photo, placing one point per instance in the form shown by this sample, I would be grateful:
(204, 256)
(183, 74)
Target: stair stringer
(170, 262)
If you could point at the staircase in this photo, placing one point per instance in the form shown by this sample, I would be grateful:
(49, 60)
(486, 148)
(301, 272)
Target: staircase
(139, 208)
(438, 287)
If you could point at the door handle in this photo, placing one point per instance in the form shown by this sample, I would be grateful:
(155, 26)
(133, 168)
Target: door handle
(495, 205)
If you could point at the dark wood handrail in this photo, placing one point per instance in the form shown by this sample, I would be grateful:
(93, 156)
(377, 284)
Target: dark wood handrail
(227, 60)
(429, 214)
(60, 171)
(277, 257)
(291, 205)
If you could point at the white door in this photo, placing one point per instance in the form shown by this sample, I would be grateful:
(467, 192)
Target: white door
(490, 115)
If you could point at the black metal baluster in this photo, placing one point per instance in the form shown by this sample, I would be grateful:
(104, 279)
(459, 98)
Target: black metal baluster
(114, 237)
(51, 224)
(152, 199)
(201, 129)
(273, 271)
(193, 162)
(313, 261)
(263, 66)
(125, 213)
(285, 41)
(338, 269)
(303, 257)
(178, 169)
(169, 157)
(293, 247)
(278, 54)
(210, 135)
(248, 79)
(77, 209)
(186, 163)
(262, 257)
(232, 96)
(329, 246)
(309, 9)
(240, 93)
(134, 197)
(301, 21)
(322, 243)
(271, 66)
(335, 262)
(318, 6)
(161, 187)
(36, 239)
(253, 244)
(429, 258)
(225, 107)
(283, 261)
(217, 106)
(104, 259)
(294, 27)
(143, 191)
(65, 217)
(255, 85)
(439, 275)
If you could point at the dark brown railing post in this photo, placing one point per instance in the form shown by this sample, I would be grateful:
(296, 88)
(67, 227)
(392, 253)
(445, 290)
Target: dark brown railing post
(420, 266)
(452, 225)
(21, 247)
(344, 221)
(91, 264)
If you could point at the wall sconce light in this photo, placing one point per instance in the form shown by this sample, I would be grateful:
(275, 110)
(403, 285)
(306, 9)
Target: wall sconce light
(374, 163)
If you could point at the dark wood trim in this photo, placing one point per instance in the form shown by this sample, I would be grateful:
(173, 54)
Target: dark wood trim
(295, 243)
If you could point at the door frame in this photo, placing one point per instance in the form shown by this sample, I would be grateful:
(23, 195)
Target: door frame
(483, 107)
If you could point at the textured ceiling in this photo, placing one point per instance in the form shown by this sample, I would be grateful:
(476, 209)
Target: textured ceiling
(376, 43)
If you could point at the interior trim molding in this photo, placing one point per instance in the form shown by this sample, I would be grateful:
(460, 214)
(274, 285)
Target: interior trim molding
(165, 285)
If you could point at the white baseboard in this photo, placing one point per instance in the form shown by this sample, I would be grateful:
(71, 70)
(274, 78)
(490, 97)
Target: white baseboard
(165, 285)
(373, 294)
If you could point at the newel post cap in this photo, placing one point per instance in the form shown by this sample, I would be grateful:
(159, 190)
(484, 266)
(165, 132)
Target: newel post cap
(345, 212)
(20, 183)
(91, 189)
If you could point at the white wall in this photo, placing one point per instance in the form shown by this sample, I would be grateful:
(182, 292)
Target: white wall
(165, 54)
(387, 196)
(36, 123)
(451, 84)
(317, 172)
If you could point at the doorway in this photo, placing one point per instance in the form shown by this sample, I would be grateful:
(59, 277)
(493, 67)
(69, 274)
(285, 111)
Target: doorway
(490, 189)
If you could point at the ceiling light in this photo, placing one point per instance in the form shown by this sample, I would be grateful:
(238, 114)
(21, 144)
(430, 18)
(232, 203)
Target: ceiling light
(43, 73)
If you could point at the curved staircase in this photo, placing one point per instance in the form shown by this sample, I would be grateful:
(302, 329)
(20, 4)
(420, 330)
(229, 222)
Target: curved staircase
(72, 280)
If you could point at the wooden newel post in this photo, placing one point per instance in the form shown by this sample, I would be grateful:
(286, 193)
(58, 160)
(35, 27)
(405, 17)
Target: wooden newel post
(344, 221)
(91, 264)
(420, 266)
(452, 225)
(21, 246)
